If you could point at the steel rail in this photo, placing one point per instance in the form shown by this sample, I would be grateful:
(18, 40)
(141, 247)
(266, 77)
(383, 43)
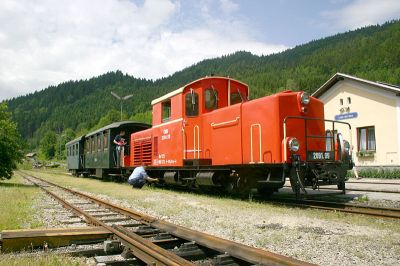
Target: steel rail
(343, 207)
(370, 190)
(142, 248)
(234, 249)
(373, 183)
(357, 189)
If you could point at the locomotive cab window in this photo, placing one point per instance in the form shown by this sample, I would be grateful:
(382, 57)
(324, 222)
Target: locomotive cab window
(236, 97)
(211, 99)
(192, 103)
(166, 111)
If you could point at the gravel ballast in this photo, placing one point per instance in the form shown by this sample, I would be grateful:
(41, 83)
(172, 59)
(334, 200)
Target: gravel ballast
(315, 236)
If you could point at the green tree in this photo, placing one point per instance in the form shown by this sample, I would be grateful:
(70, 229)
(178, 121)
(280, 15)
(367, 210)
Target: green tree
(142, 117)
(67, 135)
(10, 144)
(111, 117)
(48, 145)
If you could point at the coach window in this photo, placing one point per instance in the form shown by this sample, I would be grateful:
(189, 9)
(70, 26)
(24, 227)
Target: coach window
(98, 142)
(105, 141)
(87, 146)
(211, 99)
(236, 97)
(93, 148)
(166, 111)
(366, 139)
(192, 103)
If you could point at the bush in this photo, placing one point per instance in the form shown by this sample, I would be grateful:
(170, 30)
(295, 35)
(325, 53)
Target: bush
(377, 172)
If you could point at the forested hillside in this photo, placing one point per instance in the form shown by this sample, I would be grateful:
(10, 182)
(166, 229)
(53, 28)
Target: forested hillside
(372, 53)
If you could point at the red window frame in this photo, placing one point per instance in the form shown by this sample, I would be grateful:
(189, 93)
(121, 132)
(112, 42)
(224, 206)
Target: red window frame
(366, 138)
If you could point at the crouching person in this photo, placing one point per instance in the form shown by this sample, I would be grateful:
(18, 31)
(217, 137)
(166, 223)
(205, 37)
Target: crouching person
(139, 177)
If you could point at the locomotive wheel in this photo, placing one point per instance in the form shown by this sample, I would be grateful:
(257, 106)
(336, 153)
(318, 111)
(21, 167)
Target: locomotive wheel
(342, 186)
(265, 192)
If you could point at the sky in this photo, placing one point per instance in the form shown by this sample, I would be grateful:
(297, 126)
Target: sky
(46, 42)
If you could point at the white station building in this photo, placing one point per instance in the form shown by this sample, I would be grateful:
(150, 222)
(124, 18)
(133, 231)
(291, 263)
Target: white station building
(373, 111)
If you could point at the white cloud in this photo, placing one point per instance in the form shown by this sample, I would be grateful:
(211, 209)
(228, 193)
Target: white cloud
(228, 6)
(46, 42)
(361, 13)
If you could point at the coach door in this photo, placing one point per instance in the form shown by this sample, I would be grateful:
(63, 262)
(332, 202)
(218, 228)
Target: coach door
(191, 127)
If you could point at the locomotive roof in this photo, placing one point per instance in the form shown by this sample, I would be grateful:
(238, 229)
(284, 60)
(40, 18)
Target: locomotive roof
(180, 90)
(117, 125)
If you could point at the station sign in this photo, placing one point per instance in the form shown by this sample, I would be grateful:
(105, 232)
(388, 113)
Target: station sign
(346, 116)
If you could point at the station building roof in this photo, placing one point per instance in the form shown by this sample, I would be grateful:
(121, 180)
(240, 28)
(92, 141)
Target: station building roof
(340, 76)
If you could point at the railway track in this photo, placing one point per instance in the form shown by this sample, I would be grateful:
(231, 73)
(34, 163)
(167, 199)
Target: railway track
(387, 187)
(157, 242)
(342, 207)
(373, 183)
(361, 189)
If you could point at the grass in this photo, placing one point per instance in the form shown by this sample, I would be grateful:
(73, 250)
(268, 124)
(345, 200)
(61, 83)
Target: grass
(39, 259)
(16, 212)
(16, 199)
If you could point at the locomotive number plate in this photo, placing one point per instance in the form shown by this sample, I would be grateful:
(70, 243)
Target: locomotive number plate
(320, 155)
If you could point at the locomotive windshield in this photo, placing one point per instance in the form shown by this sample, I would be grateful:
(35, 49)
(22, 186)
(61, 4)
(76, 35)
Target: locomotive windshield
(192, 104)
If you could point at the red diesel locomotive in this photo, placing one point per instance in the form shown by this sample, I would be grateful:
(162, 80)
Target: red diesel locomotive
(208, 134)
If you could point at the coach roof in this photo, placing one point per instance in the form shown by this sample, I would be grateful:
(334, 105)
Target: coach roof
(119, 124)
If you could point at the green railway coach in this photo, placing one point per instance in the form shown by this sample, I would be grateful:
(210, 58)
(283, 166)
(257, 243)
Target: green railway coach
(75, 159)
(97, 153)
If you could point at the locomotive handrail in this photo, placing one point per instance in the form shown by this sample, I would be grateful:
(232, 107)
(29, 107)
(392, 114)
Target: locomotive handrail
(251, 143)
(234, 121)
(315, 118)
(306, 135)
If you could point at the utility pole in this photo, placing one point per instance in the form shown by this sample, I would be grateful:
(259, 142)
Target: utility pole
(121, 99)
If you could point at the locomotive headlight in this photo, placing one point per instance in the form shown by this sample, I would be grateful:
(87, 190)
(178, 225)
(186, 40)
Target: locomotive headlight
(294, 144)
(305, 98)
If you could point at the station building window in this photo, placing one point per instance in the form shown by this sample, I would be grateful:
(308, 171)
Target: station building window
(192, 104)
(366, 138)
(211, 99)
(341, 101)
(166, 111)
